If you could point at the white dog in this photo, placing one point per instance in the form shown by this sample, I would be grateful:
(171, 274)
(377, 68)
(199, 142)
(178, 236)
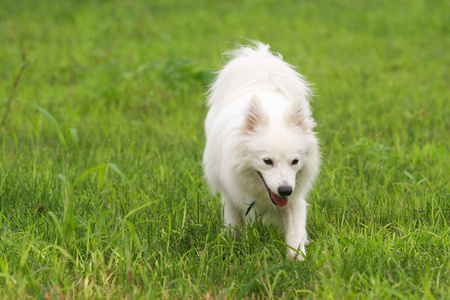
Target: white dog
(261, 152)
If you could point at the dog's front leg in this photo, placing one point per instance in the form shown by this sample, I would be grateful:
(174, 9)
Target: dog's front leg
(295, 228)
(232, 216)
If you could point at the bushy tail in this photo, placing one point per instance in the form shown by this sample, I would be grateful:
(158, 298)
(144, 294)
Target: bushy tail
(255, 68)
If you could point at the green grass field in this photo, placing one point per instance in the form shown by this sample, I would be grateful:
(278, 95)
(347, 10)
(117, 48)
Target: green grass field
(101, 186)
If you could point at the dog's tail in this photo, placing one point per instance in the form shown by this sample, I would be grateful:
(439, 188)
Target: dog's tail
(255, 68)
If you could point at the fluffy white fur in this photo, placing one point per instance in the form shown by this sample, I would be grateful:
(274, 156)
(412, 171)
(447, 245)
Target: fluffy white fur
(260, 143)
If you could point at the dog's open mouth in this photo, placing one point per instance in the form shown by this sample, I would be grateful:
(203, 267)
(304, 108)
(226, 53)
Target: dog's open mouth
(277, 200)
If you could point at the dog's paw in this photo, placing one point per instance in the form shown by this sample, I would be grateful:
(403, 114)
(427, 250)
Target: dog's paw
(296, 255)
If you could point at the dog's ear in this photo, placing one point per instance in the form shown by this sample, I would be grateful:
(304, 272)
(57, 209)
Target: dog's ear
(255, 115)
(297, 116)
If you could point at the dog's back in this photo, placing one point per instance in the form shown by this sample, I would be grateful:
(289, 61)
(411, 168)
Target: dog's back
(255, 69)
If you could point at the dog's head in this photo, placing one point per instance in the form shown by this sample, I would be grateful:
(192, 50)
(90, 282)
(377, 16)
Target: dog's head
(278, 147)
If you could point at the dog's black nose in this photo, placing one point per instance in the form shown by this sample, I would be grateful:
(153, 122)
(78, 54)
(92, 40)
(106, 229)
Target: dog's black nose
(285, 190)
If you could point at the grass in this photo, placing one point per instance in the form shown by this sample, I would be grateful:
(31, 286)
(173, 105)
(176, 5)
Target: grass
(101, 188)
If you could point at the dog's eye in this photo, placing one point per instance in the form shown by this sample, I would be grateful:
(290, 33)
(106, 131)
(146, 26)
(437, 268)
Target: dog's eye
(294, 162)
(268, 161)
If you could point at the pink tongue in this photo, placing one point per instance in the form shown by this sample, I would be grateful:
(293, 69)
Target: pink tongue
(280, 201)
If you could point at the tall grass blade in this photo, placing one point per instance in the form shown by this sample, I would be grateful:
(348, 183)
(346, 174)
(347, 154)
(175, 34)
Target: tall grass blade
(55, 125)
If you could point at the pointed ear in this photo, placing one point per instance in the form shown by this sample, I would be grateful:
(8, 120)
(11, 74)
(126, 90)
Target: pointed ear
(255, 115)
(296, 116)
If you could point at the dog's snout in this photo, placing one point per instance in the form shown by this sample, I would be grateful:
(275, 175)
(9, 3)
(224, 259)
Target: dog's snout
(285, 190)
